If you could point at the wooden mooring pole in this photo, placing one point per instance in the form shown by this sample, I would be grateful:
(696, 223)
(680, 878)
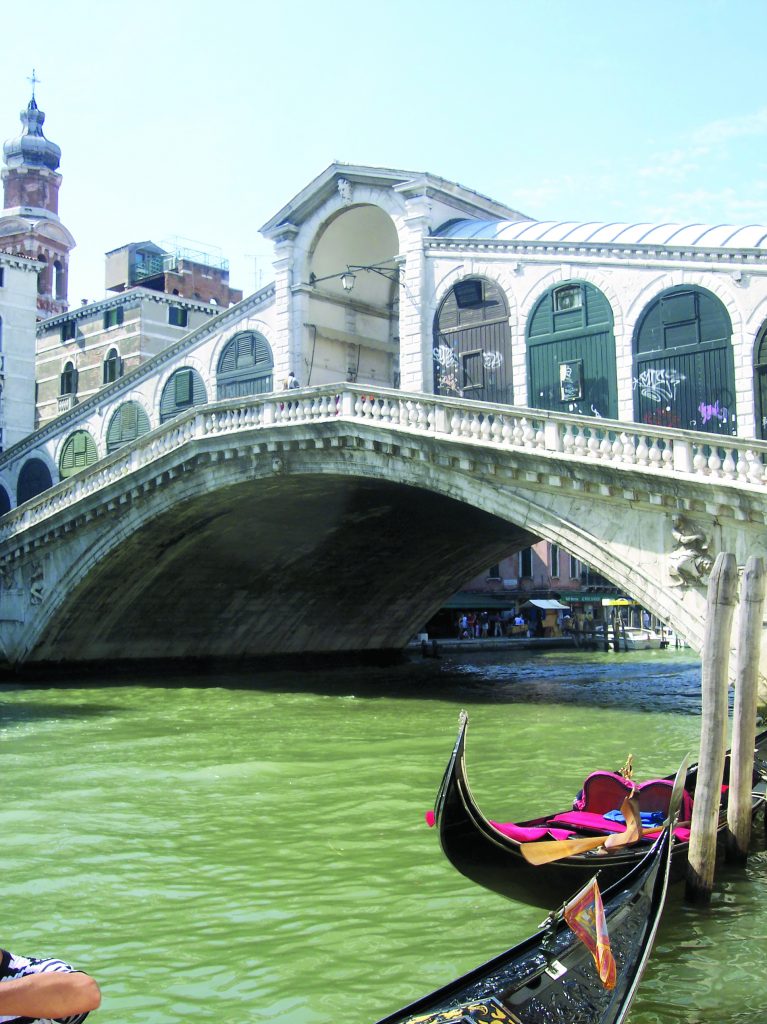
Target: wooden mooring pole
(744, 712)
(722, 591)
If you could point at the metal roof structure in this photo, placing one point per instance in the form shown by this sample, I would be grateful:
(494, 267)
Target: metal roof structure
(716, 236)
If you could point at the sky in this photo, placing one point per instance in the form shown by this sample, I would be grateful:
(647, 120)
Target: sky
(197, 122)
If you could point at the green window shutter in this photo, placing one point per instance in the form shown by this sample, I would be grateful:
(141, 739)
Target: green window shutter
(183, 387)
(78, 452)
(245, 367)
(129, 422)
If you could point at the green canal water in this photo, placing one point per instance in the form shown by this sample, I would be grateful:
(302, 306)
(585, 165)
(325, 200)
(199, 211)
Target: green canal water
(253, 848)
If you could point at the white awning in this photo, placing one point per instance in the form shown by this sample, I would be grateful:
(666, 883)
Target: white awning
(547, 605)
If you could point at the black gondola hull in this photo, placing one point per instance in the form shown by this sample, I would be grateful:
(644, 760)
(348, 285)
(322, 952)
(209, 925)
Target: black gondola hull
(493, 860)
(526, 984)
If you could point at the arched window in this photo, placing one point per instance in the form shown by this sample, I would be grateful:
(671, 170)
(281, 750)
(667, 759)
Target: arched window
(183, 390)
(78, 452)
(129, 422)
(112, 366)
(68, 380)
(472, 343)
(683, 364)
(34, 478)
(760, 384)
(43, 275)
(5, 501)
(59, 280)
(246, 367)
(1, 334)
(571, 352)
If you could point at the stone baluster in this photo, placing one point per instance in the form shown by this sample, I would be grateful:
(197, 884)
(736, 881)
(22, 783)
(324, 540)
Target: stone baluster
(568, 440)
(729, 466)
(496, 431)
(642, 452)
(654, 454)
(485, 429)
(714, 463)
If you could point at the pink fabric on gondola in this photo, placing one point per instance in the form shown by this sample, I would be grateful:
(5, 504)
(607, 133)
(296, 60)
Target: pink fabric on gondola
(430, 819)
(588, 820)
(529, 833)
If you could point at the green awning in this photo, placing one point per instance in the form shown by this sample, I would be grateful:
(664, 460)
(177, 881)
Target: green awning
(468, 600)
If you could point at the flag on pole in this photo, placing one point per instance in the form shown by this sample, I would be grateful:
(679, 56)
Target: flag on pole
(585, 914)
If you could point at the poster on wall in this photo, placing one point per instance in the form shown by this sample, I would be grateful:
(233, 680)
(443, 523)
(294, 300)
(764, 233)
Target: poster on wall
(571, 380)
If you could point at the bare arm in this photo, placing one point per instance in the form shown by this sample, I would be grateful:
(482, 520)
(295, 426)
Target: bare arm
(51, 994)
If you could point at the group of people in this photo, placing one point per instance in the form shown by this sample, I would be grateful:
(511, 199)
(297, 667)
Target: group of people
(480, 625)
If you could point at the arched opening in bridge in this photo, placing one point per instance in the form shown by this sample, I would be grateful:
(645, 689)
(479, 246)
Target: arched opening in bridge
(760, 384)
(571, 352)
(352, 309)
(246, 367)
(183, 389)
(472, 343)
(129, 422)
(34, 478)
(79, 451)
(684, 374)
(5, 501)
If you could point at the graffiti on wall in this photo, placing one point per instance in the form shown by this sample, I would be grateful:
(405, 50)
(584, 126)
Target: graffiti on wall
(713, 412)
(658, 384)
(452, 371)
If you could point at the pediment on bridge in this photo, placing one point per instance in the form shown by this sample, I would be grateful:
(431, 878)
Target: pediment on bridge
(342, 179)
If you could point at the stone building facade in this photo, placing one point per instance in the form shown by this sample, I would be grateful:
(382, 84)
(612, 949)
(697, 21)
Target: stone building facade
(82, 351)
(18, 307)
(400, 279)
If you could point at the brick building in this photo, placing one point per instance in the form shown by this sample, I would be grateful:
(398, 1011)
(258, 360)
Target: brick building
(29, 223)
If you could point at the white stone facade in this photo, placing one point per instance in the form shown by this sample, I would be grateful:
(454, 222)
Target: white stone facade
(18, 310)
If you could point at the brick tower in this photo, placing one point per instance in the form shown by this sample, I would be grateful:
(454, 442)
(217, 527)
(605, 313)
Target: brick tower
(29, 221)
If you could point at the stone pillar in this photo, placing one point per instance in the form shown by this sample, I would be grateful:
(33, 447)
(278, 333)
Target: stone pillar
(287, 353)
(415, 307)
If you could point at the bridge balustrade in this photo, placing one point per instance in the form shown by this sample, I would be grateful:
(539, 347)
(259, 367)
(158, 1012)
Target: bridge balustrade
(730, 462)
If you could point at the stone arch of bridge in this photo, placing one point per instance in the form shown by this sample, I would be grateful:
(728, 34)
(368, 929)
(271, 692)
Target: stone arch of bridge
(308, 550)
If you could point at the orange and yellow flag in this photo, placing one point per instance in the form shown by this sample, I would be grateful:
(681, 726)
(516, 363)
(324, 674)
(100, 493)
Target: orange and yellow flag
(585, 914)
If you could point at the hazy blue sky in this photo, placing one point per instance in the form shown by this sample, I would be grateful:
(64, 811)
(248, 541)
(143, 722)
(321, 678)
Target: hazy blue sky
(201, 120)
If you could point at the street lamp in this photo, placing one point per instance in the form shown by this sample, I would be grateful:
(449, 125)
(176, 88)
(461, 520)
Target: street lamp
(349, 276)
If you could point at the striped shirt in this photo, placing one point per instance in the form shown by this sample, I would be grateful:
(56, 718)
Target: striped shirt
(12, 966)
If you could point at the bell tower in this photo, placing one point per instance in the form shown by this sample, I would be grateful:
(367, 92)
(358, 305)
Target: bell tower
(29, 222)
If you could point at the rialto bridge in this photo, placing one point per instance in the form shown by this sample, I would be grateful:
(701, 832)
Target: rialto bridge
(290, 522)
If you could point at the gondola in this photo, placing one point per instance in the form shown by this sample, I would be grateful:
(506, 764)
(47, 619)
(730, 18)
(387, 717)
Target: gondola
(552, 976)
(490, 853)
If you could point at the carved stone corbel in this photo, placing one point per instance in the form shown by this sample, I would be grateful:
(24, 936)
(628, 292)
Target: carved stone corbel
(690, 563)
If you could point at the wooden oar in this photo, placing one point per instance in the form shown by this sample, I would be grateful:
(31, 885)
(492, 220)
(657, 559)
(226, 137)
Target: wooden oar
(557, 849)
